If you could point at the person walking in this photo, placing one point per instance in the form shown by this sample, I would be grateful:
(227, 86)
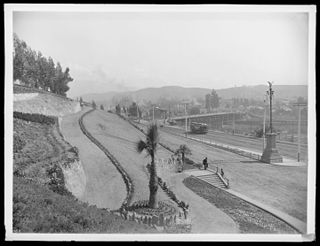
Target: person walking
(205, 163)
(222, 172)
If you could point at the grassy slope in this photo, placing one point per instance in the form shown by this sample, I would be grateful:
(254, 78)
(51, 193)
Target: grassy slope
(37, 208)
(249, 218)
(120, 138)
(46, 104)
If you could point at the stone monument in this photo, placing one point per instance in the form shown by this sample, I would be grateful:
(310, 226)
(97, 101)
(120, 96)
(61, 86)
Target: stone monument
(270, 153)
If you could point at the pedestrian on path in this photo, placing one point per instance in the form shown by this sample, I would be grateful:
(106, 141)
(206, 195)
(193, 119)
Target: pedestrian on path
(222, 172)
(205, 163)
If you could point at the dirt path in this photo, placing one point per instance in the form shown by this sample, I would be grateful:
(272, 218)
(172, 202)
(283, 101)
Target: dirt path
(104, 185)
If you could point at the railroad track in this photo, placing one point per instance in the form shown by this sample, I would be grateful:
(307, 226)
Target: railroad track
(127, 180)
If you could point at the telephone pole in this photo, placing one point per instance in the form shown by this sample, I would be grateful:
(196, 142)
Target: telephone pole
(300, 105)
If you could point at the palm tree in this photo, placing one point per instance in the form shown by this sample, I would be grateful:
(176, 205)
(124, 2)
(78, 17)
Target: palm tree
(184, 150)
(150, 145)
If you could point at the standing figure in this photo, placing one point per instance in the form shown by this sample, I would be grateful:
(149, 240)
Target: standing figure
(222, 172)
(205, 163)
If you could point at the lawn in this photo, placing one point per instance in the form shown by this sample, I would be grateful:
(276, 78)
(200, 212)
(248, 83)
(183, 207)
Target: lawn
(119, 137)
(249, 218)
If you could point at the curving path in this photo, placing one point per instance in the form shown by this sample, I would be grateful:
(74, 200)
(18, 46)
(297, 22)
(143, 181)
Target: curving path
(119, 137)
(104, 185)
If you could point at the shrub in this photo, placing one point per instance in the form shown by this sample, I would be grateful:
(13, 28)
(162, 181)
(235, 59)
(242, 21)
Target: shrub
(39, 118)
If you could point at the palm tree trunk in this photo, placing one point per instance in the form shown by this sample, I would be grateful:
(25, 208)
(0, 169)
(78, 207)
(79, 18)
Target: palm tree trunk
(153, 185)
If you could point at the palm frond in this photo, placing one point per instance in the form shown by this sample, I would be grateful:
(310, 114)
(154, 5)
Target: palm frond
(141, 145)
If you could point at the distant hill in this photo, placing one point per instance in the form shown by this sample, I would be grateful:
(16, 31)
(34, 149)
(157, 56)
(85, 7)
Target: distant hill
(258, 91)
(180, 93)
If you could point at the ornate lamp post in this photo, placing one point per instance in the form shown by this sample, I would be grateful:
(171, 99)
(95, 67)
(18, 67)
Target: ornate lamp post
(270, 153)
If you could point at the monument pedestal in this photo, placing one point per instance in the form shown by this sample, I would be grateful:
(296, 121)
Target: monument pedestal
(270, 153)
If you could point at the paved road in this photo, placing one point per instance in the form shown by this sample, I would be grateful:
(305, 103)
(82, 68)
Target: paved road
(286, 149)
(282, 187)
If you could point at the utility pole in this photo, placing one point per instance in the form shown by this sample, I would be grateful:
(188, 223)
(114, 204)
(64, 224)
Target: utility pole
(138, 116)
(300, 105)
(185, 111)
(153, 113)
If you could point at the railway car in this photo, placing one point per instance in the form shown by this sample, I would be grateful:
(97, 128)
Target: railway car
(198, 127)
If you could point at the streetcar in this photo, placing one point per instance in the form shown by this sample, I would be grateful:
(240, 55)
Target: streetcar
(200, 128)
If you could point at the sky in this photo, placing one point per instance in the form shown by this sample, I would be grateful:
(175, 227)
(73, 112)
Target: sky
(118, 51)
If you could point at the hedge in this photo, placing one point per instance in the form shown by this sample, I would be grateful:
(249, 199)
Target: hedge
(39, 118)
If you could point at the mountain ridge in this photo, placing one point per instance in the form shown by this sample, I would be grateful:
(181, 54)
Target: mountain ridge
(179, 93)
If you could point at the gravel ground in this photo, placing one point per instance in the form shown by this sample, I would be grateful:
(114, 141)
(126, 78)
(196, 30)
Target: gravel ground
(249, 218)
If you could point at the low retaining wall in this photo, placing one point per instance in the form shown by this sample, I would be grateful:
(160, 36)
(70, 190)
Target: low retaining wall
(24, 96)
(75, 179)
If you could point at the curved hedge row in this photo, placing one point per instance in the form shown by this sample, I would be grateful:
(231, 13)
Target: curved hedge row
(39, 118)
(124, 174)
(162, 184)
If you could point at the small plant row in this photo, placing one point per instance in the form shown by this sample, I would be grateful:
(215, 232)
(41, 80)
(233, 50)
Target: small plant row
(159, 221)
(39, 118)
(184, 206)
(142, 207)
(124, 174)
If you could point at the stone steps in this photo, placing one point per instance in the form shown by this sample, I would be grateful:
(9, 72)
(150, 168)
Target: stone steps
(213, 179)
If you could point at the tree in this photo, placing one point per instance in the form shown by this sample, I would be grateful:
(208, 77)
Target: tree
(94, 105)
(207, 102)
(18, 57)
(212, 100)
(183, 150)
(150, 146)
(118, 109)
(133, 109)
(35, 70)
(215, 100)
